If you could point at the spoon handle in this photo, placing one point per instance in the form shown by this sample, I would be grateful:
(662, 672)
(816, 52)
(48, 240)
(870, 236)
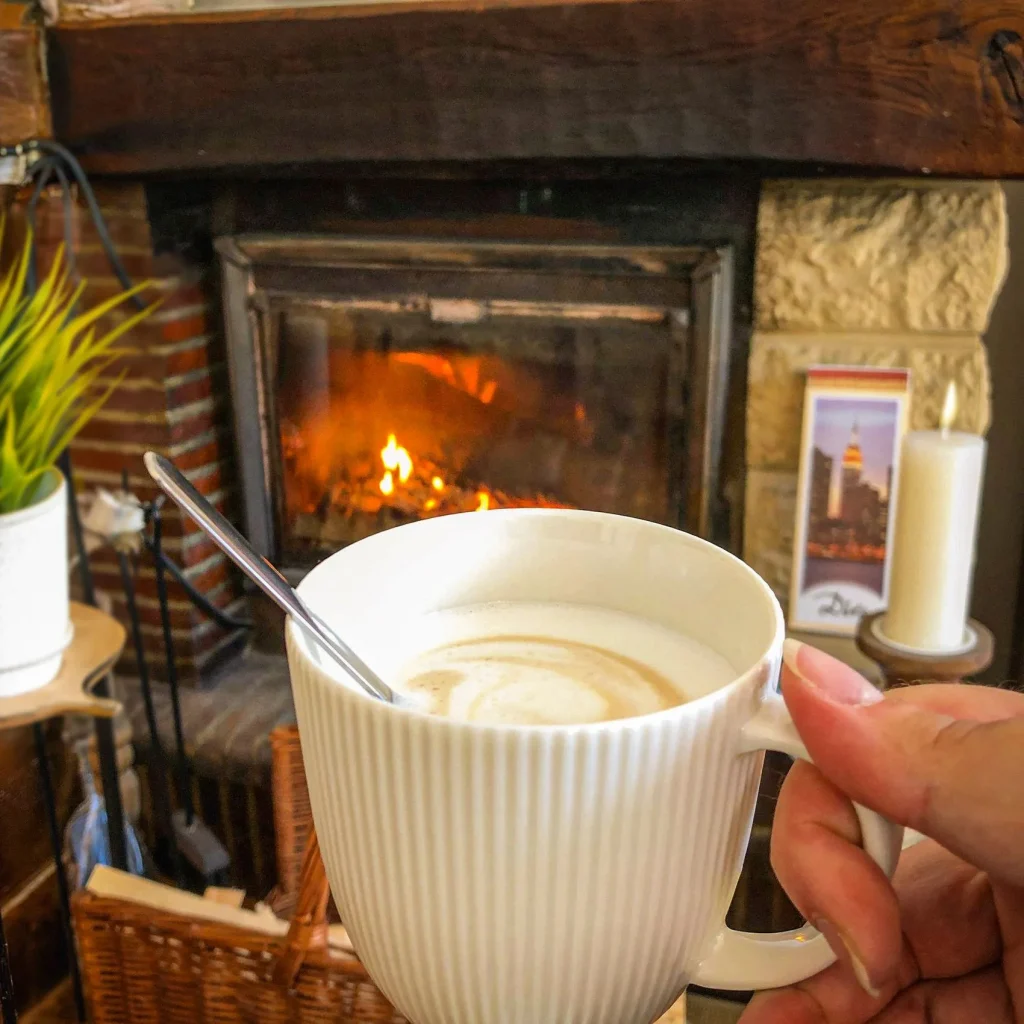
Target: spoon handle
(261, 572)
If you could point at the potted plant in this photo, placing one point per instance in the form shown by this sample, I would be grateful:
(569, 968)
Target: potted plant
(53, 358)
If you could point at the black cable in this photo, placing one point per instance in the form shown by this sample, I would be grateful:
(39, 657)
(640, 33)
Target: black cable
(53, 162)
(68, 205)
(45, 171)
(58, 154)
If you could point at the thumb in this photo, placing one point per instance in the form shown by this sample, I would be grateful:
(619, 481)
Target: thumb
(945, 760)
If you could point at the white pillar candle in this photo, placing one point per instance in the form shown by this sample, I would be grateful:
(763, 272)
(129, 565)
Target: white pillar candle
(938, 495)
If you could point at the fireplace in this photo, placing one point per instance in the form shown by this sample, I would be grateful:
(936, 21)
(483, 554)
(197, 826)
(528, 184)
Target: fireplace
(376, 381)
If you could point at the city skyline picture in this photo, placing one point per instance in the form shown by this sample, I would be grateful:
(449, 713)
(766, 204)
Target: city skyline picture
(870, 426)
(854, 422)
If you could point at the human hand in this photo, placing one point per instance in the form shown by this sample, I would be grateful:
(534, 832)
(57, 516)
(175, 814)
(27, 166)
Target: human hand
(943, 942)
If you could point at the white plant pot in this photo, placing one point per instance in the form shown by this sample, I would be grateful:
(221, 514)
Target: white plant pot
(35, 623)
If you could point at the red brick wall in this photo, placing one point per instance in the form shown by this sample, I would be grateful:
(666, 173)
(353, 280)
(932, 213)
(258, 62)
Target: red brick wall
(174, 399)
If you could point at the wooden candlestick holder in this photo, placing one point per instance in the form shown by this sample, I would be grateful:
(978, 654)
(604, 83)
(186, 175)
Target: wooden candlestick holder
(901, 667)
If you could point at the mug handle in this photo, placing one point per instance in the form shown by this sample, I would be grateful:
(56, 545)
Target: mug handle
(746, 961)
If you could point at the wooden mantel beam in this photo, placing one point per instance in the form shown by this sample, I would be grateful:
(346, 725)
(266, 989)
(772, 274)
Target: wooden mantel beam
(916, 86)
(24, 110)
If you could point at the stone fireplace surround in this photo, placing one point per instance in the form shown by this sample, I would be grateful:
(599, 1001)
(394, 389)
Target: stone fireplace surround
(844, 271)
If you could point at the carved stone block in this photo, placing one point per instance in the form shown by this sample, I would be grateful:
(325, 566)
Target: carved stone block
(777, 376)
(879, 255)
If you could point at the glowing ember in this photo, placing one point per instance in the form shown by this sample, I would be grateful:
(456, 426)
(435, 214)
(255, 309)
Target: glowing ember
(437, 483)
(483, 502)
(387, 483)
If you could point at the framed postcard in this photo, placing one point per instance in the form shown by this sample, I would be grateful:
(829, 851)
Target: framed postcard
(853, 427)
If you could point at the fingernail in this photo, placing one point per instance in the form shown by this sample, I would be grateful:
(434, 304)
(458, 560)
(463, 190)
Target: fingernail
(845, 951)
(836, 681)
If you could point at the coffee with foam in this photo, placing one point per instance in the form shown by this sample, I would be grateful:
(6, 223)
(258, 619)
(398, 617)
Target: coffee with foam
(540, 664)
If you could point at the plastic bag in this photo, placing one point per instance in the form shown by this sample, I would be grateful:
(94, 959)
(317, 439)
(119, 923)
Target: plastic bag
(87, 836)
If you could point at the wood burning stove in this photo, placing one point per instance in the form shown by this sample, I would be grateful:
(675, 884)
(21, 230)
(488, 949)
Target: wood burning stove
(378, 381)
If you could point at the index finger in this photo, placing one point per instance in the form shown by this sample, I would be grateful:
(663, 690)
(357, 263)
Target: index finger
(952, 774)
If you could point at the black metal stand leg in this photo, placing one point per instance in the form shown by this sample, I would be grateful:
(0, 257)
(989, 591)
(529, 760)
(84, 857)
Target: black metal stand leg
(163, 797)
(8, 1011)
(106, 747)
(107, 751)
(49, 802)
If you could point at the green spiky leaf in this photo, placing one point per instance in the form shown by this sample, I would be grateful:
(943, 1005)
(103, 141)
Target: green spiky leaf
(53, 358)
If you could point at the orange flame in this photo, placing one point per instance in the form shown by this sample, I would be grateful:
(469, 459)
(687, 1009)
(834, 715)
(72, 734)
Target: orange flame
(387, 483)
(463, 374)
(483, 502)
(394, 456)
(437, 483)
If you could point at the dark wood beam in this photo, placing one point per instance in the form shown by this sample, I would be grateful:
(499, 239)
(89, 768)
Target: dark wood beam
(24, 110)
(919, 86)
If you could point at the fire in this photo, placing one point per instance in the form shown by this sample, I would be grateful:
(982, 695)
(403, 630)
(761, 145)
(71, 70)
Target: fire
(363, 494)
(394, 456)
(463, 373)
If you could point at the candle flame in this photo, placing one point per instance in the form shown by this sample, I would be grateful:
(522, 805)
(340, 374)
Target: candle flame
(948, 407)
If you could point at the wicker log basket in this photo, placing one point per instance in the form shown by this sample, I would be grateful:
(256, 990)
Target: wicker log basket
(142, 965)
(145, 965)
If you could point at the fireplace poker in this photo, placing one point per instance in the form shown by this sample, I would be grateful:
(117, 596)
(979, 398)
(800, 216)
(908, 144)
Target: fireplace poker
(192, 837)
(267, 578)
(159, 755)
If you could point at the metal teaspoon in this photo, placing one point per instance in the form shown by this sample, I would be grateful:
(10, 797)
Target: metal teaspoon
(266, 576)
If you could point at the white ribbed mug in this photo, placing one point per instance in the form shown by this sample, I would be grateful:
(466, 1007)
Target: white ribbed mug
(547, 874)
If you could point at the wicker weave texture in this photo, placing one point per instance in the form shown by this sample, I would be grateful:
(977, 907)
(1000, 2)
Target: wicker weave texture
(142, 966)
(293, 816)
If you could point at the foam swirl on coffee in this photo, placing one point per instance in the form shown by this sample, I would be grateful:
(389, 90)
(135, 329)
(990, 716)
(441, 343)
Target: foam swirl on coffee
(535, 680)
